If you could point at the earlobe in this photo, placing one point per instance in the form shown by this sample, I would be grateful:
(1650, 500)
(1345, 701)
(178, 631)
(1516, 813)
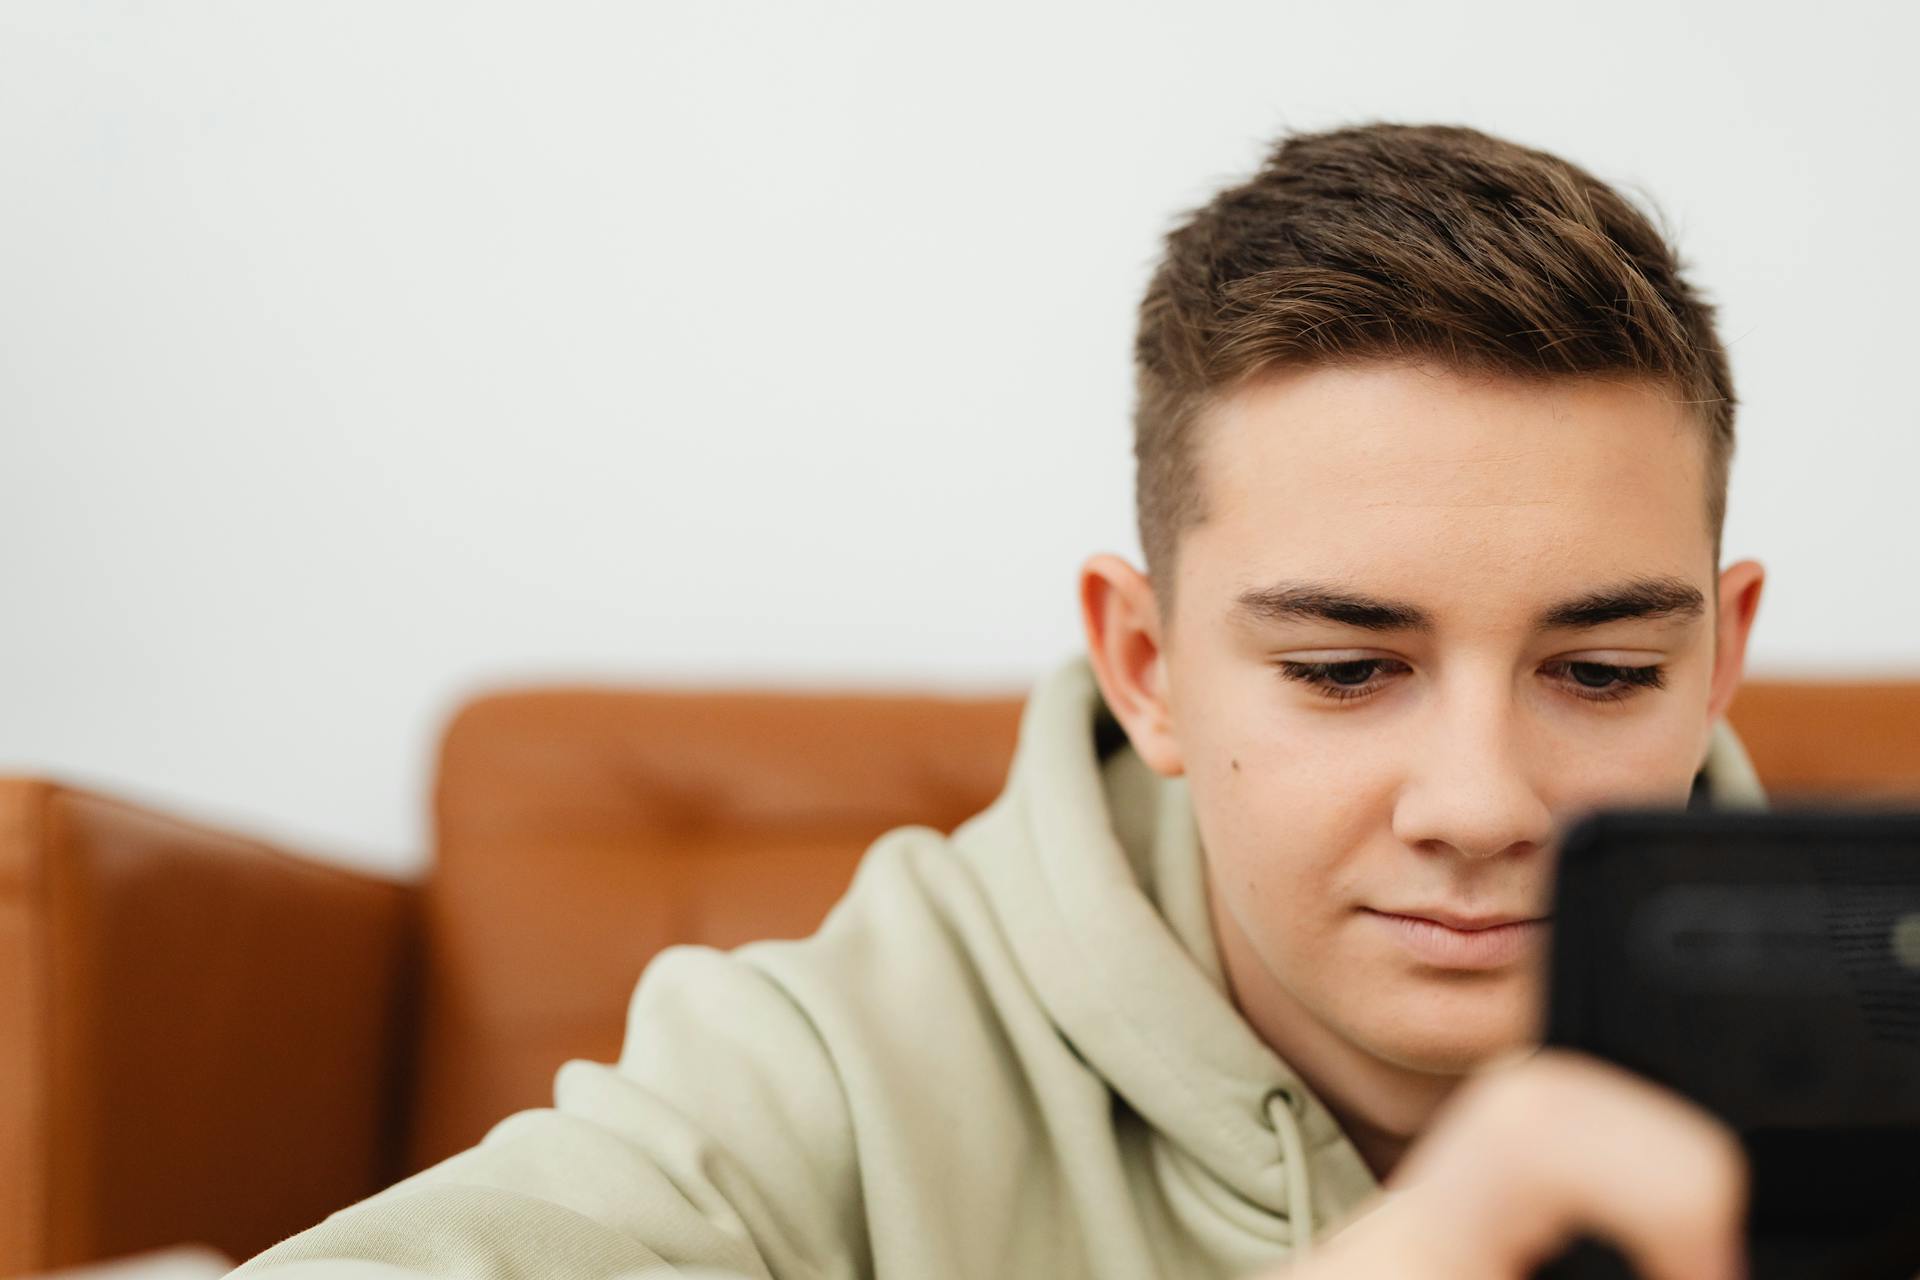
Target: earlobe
(1122, 624)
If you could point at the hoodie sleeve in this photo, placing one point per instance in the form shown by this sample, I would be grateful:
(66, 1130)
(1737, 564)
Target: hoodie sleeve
(718, 1146)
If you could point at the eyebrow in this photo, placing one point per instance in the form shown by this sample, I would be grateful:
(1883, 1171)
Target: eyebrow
(1643, 598)
(1639, 599)
(1304, 602)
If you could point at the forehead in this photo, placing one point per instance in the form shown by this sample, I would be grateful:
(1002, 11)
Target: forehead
(1429, 484)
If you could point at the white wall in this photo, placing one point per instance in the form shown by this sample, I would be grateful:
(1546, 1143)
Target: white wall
(357, 356)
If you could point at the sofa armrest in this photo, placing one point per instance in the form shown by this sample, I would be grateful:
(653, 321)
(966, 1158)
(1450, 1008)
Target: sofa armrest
(201, 1037)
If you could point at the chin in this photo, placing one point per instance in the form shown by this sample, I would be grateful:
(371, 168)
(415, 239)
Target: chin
(1454, 1033)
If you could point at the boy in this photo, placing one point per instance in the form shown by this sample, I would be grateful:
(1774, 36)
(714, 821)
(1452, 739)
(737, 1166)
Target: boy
(1432, 444)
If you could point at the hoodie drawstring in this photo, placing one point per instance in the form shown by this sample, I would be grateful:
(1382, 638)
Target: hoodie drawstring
(1293, 1154)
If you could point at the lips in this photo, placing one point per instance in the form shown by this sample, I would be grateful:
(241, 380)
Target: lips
(1464, 922)
(1494, 941)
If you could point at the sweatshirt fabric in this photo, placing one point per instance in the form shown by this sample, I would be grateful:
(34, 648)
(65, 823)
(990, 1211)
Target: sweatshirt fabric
(1008, 1051)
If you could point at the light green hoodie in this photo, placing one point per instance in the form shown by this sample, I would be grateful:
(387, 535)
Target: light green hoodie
(1007, 1052)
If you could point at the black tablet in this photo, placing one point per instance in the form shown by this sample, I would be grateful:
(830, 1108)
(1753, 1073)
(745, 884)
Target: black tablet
(1766, 965)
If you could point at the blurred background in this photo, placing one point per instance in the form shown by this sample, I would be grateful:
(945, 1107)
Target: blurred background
(355, 358)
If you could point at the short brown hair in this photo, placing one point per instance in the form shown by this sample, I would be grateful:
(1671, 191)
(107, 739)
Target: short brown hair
(1425, 242)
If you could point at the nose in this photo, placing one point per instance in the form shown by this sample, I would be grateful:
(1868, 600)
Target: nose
(1470, 785)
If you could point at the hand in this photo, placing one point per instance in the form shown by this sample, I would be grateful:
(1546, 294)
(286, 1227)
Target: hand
(1532, 1153)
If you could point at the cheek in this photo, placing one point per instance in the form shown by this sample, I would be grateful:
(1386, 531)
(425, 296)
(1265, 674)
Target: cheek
(1650, 760)
(1281, 795)
(1281, 827)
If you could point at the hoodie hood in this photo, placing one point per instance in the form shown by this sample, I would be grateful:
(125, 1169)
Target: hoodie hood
(1094, 864)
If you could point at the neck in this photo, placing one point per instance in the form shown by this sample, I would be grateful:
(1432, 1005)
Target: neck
(1382, 1106)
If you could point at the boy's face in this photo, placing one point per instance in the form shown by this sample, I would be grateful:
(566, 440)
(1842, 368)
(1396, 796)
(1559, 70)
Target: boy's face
(1396, 670)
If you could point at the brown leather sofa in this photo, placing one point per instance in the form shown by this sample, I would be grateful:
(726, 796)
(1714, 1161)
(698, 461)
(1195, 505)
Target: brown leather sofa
(205, 1038)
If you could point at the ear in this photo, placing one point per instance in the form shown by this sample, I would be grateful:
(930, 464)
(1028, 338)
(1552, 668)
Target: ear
(1122, 620)
(1740, 586)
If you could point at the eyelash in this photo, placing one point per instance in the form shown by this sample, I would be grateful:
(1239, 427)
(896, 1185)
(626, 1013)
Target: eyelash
(1628, 680)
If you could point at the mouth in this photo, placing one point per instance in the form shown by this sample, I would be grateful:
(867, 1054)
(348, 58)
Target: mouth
(1464, 922)
(1489, 942)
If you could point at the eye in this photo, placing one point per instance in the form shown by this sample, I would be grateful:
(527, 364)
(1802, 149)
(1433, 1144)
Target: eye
(1363, 677)
(1605, 682)
(1341, 681)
